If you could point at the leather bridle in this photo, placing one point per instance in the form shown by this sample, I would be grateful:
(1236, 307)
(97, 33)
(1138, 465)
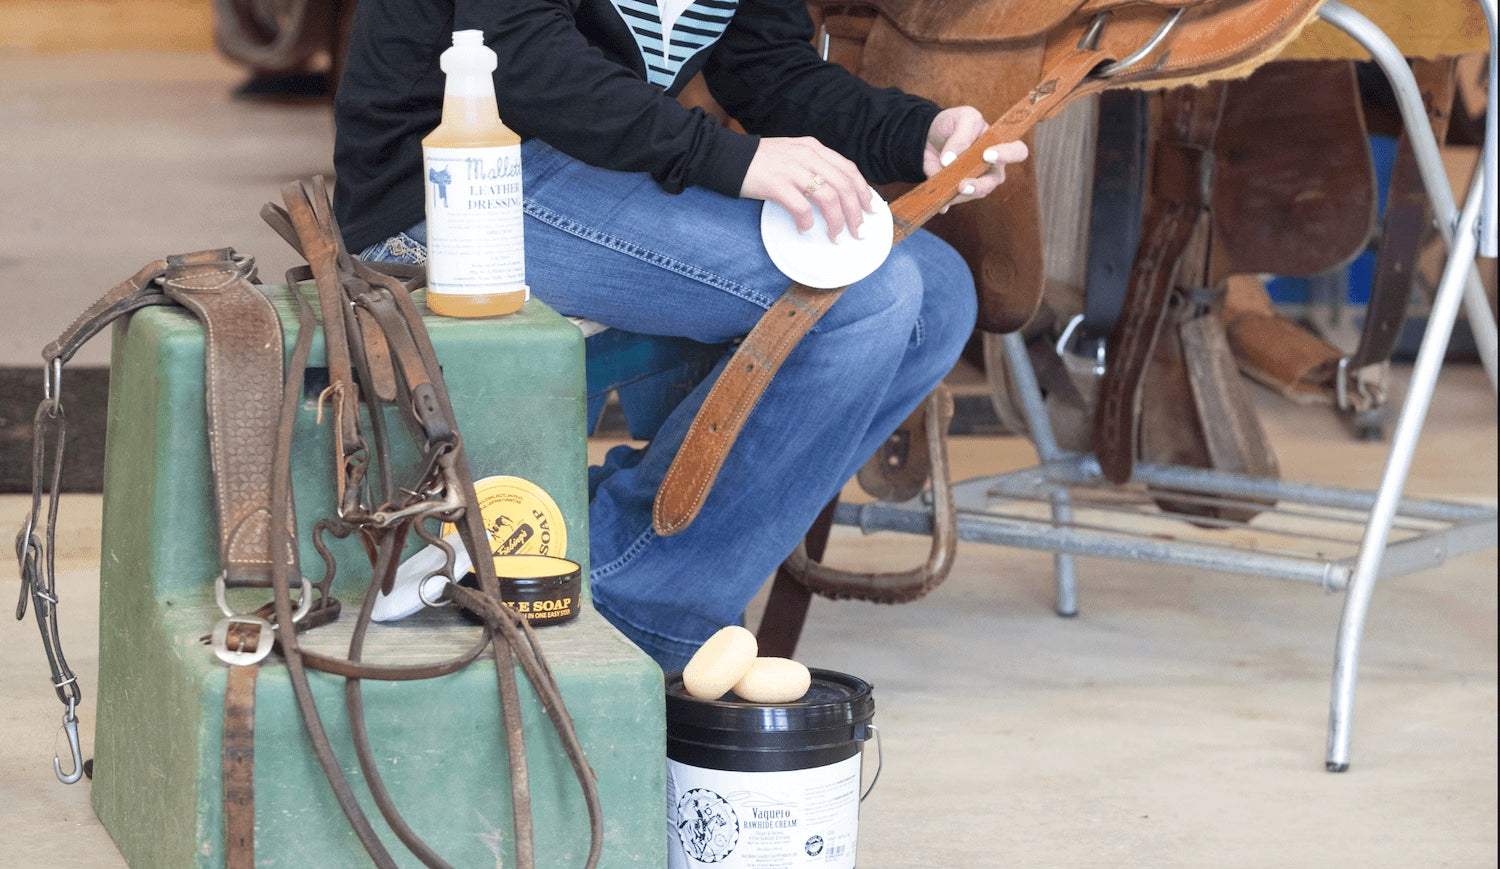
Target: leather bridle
(380, 360)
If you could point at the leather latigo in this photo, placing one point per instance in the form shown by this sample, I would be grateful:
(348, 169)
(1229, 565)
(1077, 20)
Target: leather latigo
(1171, 393)
(1408, 217)
(1204, 39)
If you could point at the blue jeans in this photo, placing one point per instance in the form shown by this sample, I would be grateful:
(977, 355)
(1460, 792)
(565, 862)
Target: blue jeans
(614, 248)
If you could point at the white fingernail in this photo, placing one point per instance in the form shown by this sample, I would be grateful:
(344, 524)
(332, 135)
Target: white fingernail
(943, 210)
(949, 157)
(991, 155)
(967, 189)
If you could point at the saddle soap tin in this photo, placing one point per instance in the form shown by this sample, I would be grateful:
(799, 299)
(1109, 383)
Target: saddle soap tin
(542, 588)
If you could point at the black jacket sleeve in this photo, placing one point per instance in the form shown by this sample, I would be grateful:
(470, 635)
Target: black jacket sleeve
(767, 74)
(554, 85)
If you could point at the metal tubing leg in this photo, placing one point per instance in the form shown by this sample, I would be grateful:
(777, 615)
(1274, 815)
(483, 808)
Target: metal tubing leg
(1429, 163)
(1035, 409)
(1398, 465)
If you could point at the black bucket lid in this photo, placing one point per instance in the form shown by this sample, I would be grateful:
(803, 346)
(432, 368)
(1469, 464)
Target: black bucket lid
(833, 700)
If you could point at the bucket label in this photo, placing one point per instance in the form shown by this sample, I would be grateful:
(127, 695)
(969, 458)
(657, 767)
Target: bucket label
(762, 820)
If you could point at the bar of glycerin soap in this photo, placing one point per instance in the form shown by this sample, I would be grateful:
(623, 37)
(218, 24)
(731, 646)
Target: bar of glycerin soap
(720, 663)
(773, 680)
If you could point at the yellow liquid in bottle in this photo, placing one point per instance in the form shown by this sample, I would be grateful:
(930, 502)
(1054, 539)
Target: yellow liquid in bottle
(472, 122)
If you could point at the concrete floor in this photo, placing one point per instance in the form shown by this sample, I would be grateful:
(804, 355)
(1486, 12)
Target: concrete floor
(1177, 721)
(116, 158)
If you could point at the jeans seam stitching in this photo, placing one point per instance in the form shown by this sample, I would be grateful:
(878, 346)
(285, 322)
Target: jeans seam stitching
(656, 258)
(624, 558)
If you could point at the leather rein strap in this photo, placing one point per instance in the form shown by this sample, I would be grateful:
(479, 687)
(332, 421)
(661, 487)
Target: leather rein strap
(1103, 44)
(379, 354)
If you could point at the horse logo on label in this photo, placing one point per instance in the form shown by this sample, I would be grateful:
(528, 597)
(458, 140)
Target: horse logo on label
(707, 825)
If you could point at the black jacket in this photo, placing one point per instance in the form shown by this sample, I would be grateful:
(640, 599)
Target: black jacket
(593, 79)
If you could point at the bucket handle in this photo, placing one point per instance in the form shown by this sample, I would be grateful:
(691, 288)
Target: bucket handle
(870, 730)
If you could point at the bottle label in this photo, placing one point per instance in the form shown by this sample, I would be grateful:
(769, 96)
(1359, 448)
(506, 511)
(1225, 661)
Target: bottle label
(474, 220)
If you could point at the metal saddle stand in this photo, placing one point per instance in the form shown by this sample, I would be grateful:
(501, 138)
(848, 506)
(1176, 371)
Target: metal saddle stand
(1336, 538)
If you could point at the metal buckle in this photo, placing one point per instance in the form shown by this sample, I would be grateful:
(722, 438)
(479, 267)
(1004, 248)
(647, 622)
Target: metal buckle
(221, 597)
(238, 657)
(264, 638)
(1368, 386)
(1066, 338)
(1090, 41)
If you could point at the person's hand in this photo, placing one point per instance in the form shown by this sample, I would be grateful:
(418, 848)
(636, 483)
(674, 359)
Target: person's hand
(954, 130)
(801, 174)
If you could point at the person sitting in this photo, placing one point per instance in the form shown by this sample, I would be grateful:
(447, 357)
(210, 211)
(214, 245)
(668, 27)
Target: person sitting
(643, 215)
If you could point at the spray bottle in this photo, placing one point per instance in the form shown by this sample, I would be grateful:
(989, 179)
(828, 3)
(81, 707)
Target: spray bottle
(476, 264)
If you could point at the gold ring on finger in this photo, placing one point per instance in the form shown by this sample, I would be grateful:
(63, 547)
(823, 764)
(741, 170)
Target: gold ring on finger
(812, 187)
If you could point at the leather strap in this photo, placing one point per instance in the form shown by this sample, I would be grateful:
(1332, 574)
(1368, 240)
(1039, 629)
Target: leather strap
(1407, 218)
(1182, 168)
(389, 328)
(748, 373)
(1115, 212)
(1232, 432)
(238, 753)
(135, 292)
(242, 381)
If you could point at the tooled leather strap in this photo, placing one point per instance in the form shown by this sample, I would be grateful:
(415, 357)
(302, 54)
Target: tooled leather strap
(756, 361)
(1181, 180)
(242, 387)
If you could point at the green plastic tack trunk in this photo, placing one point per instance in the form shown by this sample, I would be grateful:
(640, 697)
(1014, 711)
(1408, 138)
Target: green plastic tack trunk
(518, 390)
